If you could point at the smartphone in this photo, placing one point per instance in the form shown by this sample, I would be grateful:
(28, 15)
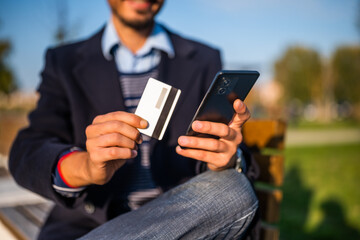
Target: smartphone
(217, 104)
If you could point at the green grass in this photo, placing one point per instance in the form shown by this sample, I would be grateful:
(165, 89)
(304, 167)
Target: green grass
(321, 193)
(306, 125)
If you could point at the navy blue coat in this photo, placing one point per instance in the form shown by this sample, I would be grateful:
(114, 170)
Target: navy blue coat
(78, 83)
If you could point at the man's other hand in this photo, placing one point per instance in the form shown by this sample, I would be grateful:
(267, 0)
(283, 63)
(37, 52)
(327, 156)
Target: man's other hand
(218, 153)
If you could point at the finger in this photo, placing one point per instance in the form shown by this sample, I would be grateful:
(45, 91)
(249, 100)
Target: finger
(242, 114)
(102, 155)
(129, 118)
(113, 126)
(113, 140)
(218, 129)
(208, 144)
(212, 158)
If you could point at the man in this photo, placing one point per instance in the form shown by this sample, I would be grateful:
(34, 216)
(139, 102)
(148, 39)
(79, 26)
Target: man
(83, 149)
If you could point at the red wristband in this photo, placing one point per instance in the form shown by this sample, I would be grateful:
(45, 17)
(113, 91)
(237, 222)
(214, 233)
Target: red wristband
(59, 169)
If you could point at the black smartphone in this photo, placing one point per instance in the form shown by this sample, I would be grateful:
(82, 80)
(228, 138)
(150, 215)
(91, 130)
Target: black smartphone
(217, 104)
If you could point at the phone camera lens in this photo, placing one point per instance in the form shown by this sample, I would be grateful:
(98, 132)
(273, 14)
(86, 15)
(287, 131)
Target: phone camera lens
(222, 90)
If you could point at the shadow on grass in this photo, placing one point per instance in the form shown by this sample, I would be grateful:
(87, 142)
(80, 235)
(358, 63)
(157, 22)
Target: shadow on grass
(295, 211)
(334, 224)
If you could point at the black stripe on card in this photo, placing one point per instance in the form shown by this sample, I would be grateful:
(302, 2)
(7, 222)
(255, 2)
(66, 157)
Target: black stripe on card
(164, 113)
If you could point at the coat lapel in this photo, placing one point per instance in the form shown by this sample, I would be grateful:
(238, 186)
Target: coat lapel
(98, 77)
(179, 71)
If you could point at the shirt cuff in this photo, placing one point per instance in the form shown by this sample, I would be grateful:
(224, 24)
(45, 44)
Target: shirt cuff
(59, 183)
(240, 164)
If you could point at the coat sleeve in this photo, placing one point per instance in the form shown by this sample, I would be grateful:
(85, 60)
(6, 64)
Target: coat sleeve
(36, 149)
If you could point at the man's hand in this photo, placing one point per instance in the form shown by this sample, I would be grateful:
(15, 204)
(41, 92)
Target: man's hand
(111, 140)
(218, 153)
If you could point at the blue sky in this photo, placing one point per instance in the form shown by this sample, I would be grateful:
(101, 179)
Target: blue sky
(250, 33)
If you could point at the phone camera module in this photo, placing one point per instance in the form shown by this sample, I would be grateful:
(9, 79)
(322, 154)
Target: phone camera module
(226, 82)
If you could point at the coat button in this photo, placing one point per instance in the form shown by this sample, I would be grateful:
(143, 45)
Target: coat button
(89, 207)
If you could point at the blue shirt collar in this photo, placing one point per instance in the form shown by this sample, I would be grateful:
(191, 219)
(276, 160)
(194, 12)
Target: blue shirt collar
(158, 39)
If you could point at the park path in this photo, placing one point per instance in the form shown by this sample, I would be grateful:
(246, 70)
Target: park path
(321, 137)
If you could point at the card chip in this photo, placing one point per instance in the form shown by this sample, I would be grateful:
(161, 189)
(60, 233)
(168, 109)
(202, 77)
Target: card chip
(161, 98)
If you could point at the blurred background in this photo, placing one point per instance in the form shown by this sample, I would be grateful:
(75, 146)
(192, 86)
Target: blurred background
(308, 54)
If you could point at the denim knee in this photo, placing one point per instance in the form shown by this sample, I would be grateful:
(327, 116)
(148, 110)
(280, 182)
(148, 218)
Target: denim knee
(227, 202)
(228, 188)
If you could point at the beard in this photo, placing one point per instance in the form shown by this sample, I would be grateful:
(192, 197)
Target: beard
(138, 25)
(135, 24)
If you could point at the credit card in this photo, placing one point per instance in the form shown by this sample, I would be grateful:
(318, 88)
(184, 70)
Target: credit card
(156, 106)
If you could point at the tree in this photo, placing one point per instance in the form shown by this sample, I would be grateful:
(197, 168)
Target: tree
(299, 72)
(7, 81)
(346, 74)
(62, 31)
(65, 29)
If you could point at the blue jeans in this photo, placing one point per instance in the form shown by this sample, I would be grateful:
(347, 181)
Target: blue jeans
(212, 205)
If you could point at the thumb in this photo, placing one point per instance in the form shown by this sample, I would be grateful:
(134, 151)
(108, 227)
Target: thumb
(241, 115)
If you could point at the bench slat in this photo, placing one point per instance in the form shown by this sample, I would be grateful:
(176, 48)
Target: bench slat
(271, 169)
(260, 134)
(269, 204)
(18, 224)
(269, 232)
(37, 213)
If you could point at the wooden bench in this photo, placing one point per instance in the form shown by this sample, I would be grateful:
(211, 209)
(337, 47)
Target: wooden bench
(25, 221)
(265, 138)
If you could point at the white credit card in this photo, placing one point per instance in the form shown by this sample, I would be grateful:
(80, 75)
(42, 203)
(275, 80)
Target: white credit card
(156, 106)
